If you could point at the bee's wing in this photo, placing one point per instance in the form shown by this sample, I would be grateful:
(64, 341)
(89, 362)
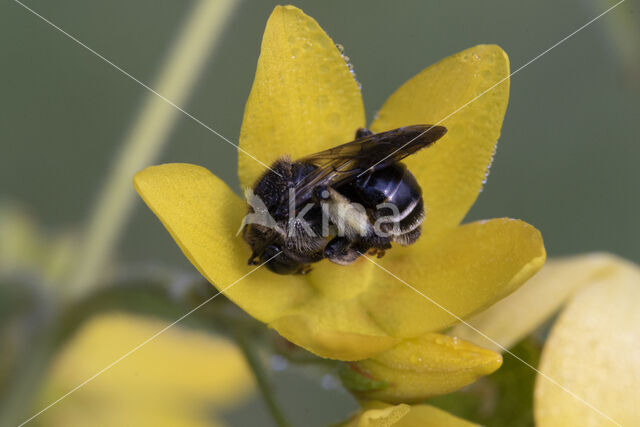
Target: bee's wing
(346, 162)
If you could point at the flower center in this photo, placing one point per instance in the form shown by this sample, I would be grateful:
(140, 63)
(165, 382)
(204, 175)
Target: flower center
(340, 282)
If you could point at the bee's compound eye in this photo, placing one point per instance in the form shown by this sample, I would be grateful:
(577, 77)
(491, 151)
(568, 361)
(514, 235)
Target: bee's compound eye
(270, 251)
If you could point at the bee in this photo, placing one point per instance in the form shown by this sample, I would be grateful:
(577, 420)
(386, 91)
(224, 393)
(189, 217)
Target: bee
(339, 203)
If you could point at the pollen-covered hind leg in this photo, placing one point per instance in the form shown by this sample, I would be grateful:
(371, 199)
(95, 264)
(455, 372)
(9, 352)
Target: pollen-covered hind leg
(363, 133)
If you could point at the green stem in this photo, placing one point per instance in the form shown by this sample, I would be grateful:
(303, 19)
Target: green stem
(261, 378)
(147, 136)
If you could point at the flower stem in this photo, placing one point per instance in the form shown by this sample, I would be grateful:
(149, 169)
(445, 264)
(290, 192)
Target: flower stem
(148, 135)
(261, 378)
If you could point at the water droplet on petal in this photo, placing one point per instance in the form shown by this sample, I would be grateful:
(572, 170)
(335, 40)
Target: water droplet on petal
(333, 119)
(322, 101)
(349, 65)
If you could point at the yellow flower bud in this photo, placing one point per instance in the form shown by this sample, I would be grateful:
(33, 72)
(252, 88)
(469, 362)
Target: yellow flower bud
(379, 414)
(419, 368)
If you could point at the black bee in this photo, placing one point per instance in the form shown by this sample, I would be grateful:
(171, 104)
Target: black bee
(338, 203)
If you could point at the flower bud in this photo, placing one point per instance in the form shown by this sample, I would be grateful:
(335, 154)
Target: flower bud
(376, 414)
(419, 368)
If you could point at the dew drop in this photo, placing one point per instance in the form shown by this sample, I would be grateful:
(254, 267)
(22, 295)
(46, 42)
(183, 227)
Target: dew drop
(322, 101)
(321, 40)
(488, 170)
(347, 61)
(333, 119)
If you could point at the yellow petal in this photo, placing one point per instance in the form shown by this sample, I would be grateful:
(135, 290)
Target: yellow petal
(378, 414)
(452, 171)
(203, 215)
(334, 330)
(420, 368)
(513, 318)
(303, 99)
(594, 351)
(140, 390)
(464, 272)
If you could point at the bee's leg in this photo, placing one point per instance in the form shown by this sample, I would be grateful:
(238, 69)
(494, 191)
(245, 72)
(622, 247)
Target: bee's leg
(377, 252)
(376, 245)
(363, 133)
(340, 251)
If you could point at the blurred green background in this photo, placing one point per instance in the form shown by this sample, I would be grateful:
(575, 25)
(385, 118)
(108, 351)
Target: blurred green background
(567, 160)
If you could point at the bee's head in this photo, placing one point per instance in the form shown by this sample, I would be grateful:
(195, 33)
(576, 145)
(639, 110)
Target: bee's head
(267, 247)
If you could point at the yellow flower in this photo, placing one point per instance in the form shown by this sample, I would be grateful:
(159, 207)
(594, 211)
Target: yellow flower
(179, 379)
(591, 359)
(304, 99)
(378, 414)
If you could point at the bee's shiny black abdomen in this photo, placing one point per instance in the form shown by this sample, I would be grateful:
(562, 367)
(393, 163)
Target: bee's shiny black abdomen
(391, 185)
